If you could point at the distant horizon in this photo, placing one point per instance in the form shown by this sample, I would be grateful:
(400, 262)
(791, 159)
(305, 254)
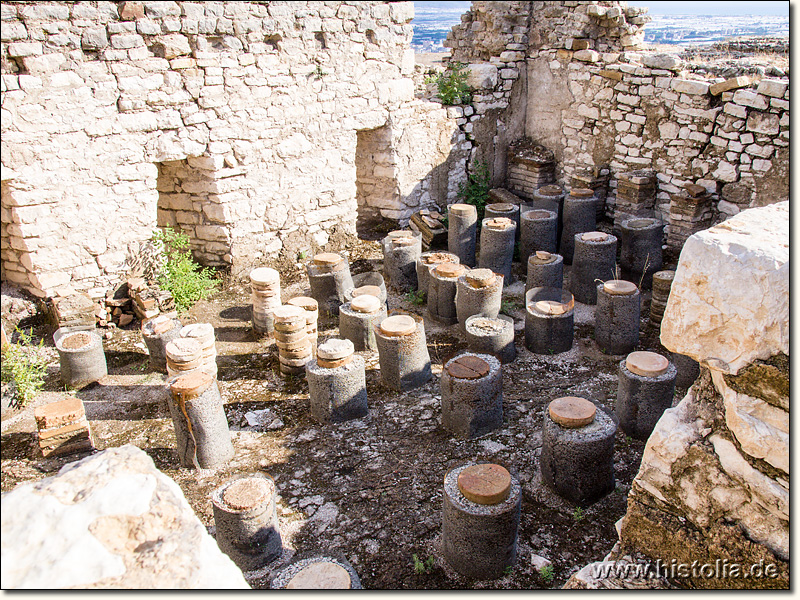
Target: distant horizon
(778, 8)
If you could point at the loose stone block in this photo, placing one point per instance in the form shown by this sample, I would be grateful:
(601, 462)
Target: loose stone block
(616, 318)
(157, 333)
(577, 459)
(311, 307)
(400, 254)
(462, 221)
(442, 288)
(246, 520)
(63, 428)
(549, 320)
(403, 352)
(646, 389)
(539, 233)
(480, 540)
(545, 270)
(595, 259)
(317, 573)
(472, 395)
(426, 262)
(329, 278)
(337, 386)
(357, 320)
(81, 357)
(640, 250)
(493, 336)
(497, 246)
(201, 428)
(580, 215)
(478, 292)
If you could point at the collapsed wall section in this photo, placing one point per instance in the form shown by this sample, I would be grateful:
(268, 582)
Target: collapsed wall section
(237, 121)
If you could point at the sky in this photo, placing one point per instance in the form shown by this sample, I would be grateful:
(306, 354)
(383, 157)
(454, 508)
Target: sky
(728, 7)
(731, 7)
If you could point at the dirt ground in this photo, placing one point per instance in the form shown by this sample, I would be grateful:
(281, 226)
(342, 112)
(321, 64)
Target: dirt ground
(369, 490)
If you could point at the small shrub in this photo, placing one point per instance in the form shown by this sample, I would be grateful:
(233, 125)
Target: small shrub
(423, 567)
(180, 274)
(578, 514)
(475, 190)
(24, 367)
(452, 85)
(547, 574)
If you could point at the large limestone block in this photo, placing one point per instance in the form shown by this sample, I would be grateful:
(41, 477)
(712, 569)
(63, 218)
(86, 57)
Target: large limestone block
(110, 520)
(482, 76)
(729, 303)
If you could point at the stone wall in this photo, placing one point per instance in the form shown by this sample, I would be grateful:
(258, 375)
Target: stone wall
(237, 121)
(714, 479)
(598, 98)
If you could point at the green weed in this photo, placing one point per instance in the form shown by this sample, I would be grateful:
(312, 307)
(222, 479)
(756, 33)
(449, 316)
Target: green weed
(452, 85)
(547, 574)
(475, 190)
(416, 297)
(508, 306)
(423, 567)
(24, 367)
(578, 515)
(180, 274)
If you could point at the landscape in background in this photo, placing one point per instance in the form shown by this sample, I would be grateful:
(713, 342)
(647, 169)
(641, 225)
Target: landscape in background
(433, 20)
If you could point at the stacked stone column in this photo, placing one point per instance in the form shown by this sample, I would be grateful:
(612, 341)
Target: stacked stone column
(291, 338)
(265, 297)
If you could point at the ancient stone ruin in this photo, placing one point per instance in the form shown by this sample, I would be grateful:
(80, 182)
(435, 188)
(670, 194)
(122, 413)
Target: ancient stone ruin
(462, 404)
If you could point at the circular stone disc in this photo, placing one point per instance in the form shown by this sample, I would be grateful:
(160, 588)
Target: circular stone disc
(499, 223)
(365, 304)
(434, 258)
(403, 241)
(264, 276)
(467, 367)
(461, 209)
(197, 330)
(183, 349)
(535, 215)
(550, 190)
(398, 325)
(327, 259)
(481, 277)
(321, 576)
(501, 207)
(594, 236)
(485, 484)
(367, 290)
(191, 381)
(581, 192)
(73, 341)
(619, 287)
(449, 270)
(542, 255)
(334, 349)
(646, 364)
(664, 275)
(400, 233)
(304, 302)
(246, 493)
(640, 223)
(571, 411)
(550, 307)
(288, 313)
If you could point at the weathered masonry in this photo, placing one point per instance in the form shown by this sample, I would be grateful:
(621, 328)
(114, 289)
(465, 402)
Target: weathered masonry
(266, 128)
(255, 127)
